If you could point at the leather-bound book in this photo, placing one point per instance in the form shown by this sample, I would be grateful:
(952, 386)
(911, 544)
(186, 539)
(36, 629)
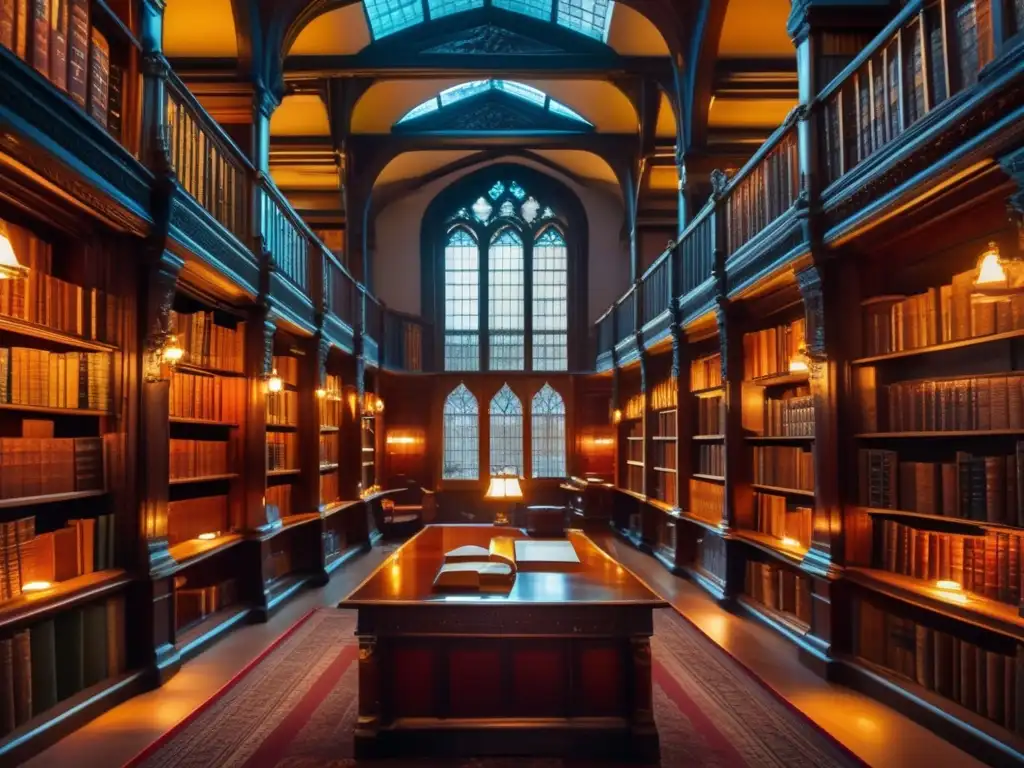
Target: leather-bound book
(66, 554)
(21, 18)
(58, 43)
(39, 36)
(7, 717)
(78, 51)
(994, 693)
(69, 653)
(115, 112)
(8, 9)
(94, 620)
(968, 677)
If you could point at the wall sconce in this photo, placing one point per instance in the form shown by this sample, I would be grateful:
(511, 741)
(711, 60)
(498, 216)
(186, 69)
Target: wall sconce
(10, 267)
(616, 416)
(378, 405)
(996, 278)
(274, 383)
(321, 393)
(172, 351)
(798, 363)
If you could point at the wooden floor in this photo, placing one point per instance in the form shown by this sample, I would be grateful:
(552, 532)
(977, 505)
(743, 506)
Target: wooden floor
(880, 736)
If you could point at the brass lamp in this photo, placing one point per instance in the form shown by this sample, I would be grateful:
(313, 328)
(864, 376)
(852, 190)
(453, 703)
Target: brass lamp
(997, 277)
(10, 267)
(504, 486)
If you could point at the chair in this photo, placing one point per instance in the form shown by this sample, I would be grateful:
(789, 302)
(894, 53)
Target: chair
(407, 510)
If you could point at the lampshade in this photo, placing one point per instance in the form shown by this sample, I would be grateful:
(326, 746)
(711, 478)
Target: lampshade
(9, 265)
(996, 276)
(274, 383)
(504, 487)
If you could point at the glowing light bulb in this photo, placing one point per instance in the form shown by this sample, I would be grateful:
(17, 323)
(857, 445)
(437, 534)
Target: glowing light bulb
(274, 383)
(789, 541)
(36, 586)
(321, 393)
(990, 267)
(207, 536)
(10, 267)
(172, 352)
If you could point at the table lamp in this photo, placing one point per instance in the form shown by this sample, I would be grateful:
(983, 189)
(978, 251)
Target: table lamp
(504, 487)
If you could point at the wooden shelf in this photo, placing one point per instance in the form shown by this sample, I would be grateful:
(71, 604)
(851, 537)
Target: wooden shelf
(632, 463)
(709, 525)
(204, 370)
(788, 621)
(193, 551)
(338, 506)
(709, 478)
(282, 427)
(781, 379)
(325, 430)
(662, 505)
(287, 523)
(53, 411)
(944, 433)
(708, 391)
(329, 466)
(781, 491)
(664, 438)
(772, 546)
(49, 498)
(663, 469)
(203, 422)
(122, 28)
(778, 438)
(936, 348)
(202, 479)
(35, 606)
(25, 328)
(963, 606)
(630, 437)
(707, 438)
(978, 526)
(283, 472)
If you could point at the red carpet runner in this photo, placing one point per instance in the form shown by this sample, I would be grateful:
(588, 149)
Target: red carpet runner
(296, 708)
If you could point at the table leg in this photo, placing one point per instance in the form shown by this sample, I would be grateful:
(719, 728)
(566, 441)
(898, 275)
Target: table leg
(369, 689)
(644, 733)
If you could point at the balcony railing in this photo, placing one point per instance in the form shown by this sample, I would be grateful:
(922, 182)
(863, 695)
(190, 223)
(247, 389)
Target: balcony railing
(404, 342)
(286, 235)
(208, 164)
(696, 250)
(656, 288)
(340, 289)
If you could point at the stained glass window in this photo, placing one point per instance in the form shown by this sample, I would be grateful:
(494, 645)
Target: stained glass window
(440, 8)
(588, 17)
(463, 91)
(550, 302)
(506, 298)
(547, 428)
(461, 436)
(390, 16)
(517, 190)
(538, 9)
(507, 209)
(461, 302)
(423, 109)
(506, 415)
(496, 190)
(482, 210)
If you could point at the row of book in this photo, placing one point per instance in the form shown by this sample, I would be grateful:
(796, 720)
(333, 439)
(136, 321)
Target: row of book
(210, 398)
(634, 446)
(664, 488)
(193, 604)
(329, 448)
(989, 566)
(710, 415)
(985, 489)
(279, 501)
(188, 518)
(768, 352)
(780, 589)
(776, 517)
(666, 424)
(706, 372)
(281, 451)
(80, 547)
(283, 408)
(46, 300)
(664, 395)
(668, 536)
(634, 407)
(31, 466)
(198, 458)
(40, 378)
(711, 460)
(287, 369)
(784, 466)
(791, 415)
(711, 556)
(984, 681)
(707, 500)
(208, 343)
(664, 455)
(330, 488)
(56, 39)
(633, 478)
(57, 658)
(981, 403)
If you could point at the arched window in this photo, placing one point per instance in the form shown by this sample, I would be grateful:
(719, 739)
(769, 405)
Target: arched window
(506, 414)
(506, 308)
(461, 302)
(461, 436)
(547, 426)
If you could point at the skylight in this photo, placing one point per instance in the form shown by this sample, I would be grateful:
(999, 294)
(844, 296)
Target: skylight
(522, 91)
(587, 17)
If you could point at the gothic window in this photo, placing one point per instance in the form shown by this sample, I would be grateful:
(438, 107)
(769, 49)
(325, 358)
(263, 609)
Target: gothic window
(550, 308)
(547, 428)
(461, 436)
(505, 301)
(461, 302)
(506, 416)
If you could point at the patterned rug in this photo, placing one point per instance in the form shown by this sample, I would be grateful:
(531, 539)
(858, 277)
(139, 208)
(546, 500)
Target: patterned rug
(296, 708)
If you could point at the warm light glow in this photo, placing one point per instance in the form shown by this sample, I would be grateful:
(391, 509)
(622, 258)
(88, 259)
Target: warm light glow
(948, 586)
(789, 541)
(798, 363)
(401, 440)
(604, 441)
(208, 536)
(36, 586)
(172, 351)
(378, 405)
(274, 383)
(10, 267)
(616, 416)
(504, 488)
(990, 267)
(321, 393)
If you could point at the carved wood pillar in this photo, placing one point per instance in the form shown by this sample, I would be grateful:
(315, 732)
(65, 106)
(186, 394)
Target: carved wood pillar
(739, 501)
(312, 377)
(264, 102)
(155, 70)
(259, 354)
(684, 412)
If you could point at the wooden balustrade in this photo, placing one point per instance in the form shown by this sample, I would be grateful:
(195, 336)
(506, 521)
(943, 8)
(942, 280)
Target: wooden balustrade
(606, 332)
(931, 50)
(656, 292)
(625, 315)
(696, 254)
(404, 340)
(208, 164)
(340, 289)
(372, 315)
(285, 235)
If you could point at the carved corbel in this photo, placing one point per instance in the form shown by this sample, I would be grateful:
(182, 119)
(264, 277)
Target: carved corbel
(266, 358)
(323, 351)
(719, 183)
(811, 286)
(677, 350)
(161, 284)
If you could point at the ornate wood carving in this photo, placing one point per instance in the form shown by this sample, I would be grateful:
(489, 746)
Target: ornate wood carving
(809, 280)
(161, 284)
(201, 234)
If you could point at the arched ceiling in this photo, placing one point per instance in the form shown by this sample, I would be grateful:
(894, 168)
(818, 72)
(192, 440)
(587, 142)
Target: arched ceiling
(301, 114)
(186, 37)
(598, 101)
(756, 28)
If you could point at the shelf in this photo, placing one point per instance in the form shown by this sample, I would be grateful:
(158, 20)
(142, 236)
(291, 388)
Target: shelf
(944, 433)
(963, 606)
(781, 379)
(329, 466)
(193, 551)
(123, 29)
(977, 525)
(665, 438)
(336, 559)
(662, 505)
(283, 472)
(781, 491)
(707, 438)
(709, 525)
(628, 438)
(788, 621)
(63, 595)
(778, 438)
(709, 478)
(664, 469)
(772, 546)
(204, 370)
(202, 479)
(53, 411)
(338, 506)
(939, 347)
(287, 523)
(325, 430)
(203, 422)
(25, 328)
(282, 427)
(50, 498)
(708, 391)
(367, 464)
(634, 463)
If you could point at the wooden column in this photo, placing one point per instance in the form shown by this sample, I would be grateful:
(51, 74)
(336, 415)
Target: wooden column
(684, 413)
(259, 356)
(306, 492)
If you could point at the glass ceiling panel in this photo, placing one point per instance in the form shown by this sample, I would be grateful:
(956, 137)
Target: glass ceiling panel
(440, 8)
(538, 9)
(588, 17)
(524, 92)
(390, 16)
(423, 109)
(558, 108)
(521, 91)
(462, 91)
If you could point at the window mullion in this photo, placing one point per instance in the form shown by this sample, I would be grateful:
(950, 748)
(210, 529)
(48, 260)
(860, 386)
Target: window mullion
(483, 307)
(527, 304)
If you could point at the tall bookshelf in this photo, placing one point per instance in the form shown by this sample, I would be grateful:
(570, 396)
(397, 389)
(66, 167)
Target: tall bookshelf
(64, 520)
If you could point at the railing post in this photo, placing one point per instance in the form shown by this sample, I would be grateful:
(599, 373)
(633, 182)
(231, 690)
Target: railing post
(155, 68)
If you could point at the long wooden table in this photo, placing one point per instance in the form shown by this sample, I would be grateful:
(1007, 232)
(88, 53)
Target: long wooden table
(560, 665)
